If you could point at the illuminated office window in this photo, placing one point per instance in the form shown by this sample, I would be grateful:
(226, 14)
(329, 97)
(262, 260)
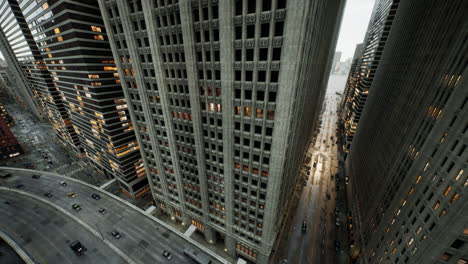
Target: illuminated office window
(96, 29)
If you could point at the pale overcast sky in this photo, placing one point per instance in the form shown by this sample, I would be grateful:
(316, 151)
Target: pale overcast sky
(354, 25)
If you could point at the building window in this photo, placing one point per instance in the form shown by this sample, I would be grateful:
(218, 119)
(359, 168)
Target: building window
(96, 29)
(59, 38)
(56, 30)
(446, 256)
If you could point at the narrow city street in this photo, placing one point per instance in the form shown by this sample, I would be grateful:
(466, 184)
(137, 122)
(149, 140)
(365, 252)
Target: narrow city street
(315, 244)
(314, 202)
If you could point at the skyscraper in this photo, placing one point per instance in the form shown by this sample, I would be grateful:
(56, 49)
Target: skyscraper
(72, 41)
(360, 79)
(347, 108)
(32, 73)
(224, 96)
(336, 61)
(408, 162)
(18, 55)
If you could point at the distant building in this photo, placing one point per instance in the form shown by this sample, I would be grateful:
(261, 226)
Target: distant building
(72, 41)
(224, 96)
(348, 109)
(365, 65)
(28, 96)
(6, 116)
(9, 146)
(33, 73)
(336, 62)
(408, 164)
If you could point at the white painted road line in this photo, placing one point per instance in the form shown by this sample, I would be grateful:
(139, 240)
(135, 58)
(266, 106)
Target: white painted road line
(85, 225)
(107, 183)
(241, 261)
(190, 230)
(150, 209)
(157, 220)
(17, 248)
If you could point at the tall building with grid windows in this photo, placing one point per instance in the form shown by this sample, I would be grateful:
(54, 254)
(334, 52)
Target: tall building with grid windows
(408, 162)
(360, 79)
(15, 48)
(72, 40)
(224, 96)
(33, 72)
(348, 94)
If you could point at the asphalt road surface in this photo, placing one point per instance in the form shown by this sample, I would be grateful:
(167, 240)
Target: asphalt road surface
(45, 232)
(315, 244)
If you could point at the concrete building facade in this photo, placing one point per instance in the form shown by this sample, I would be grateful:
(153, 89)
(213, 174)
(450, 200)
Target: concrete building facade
(408, 161)
(224, 96)
(361, 77)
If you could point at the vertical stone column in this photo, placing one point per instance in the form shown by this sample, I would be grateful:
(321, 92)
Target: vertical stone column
(148, 11)
(226, 31)
(190, 63)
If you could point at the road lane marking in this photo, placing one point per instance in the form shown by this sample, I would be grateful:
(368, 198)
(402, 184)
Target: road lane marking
(155, 219)
(107, 183)
(17, 248)
(85, 225)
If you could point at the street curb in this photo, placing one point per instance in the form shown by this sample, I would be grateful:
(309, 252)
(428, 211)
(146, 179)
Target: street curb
(174, 230)
(81, 222)
(17, 248)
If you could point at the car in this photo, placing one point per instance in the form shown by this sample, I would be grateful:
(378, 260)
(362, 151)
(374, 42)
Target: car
(115, 234)
(35, 176)
(71, 194)
(50, 162)
(76, 207)
(167, 255)
(20, 186)
(337, 245)
(63, 183)
(78, 248)
(284, 261)
(48, 194)
(96, 196)
(102, 211)
(9, 202)
(337, 223)
(304, 226)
